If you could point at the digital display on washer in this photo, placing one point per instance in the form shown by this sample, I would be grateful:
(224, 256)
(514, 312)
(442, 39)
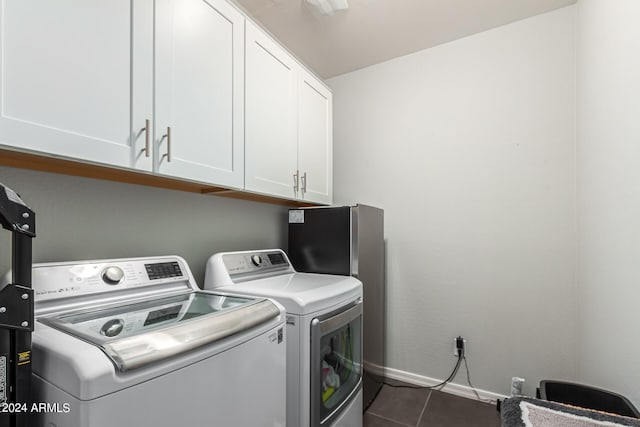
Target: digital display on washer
(162, 315)
(163, 270)
(276, 258)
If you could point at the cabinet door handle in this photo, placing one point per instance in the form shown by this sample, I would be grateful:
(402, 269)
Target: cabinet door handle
(296, 187)
(168, 137)
(147, 136)
(304, 183)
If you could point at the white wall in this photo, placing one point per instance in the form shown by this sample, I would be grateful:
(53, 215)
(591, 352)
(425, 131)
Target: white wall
(470, 149)
(81, 218)
(609, 193)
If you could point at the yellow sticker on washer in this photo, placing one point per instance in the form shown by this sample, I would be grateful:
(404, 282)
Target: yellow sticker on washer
(24, 357)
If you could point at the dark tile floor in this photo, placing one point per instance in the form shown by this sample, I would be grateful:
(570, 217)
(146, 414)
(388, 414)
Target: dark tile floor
(411, 407)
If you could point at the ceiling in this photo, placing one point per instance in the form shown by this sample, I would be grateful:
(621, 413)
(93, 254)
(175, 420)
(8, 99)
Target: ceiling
(373, 31)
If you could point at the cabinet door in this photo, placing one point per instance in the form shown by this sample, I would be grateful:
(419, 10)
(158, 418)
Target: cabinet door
(270, 115)
(200, 91)
(66, 77)
(315, 156)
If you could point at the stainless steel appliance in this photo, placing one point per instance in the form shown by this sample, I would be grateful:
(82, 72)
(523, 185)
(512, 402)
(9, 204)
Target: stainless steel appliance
(348, 240)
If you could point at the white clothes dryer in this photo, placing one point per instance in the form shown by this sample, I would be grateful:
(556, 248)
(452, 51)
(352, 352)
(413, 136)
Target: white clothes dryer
(324, 332)
(134, 342)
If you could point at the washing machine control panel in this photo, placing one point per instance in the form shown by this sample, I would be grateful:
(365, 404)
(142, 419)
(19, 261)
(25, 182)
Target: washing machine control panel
(239, 264)
(56, 281)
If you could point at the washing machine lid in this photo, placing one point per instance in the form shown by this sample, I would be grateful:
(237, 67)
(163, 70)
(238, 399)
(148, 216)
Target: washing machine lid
(136, 334)
(302, 293)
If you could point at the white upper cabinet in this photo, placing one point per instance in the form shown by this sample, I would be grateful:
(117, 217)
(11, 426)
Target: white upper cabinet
(288, 118)
(199, 123)
(130, 83)
(188, 89)
(66, 78)
(315, 147)
(271, 146)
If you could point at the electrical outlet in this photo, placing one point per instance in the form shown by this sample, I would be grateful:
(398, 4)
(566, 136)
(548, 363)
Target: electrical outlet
(455, 346)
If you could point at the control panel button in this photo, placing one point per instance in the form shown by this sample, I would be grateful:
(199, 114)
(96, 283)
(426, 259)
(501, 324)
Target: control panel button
(256, 260)
(112, 327)
(112, 275)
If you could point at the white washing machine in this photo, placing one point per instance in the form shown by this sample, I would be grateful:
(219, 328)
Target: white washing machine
(324, 332)
(133, 342)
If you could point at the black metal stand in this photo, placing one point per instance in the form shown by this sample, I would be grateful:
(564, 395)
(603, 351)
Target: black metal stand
(16, 313)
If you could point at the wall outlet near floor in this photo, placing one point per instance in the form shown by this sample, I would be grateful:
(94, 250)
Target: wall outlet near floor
(464, 345)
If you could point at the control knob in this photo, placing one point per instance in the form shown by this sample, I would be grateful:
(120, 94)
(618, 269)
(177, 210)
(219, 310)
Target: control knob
(256, 260)
(112, 275)
(112, 327)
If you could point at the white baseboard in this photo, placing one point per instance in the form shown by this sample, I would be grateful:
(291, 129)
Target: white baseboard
(453, 388)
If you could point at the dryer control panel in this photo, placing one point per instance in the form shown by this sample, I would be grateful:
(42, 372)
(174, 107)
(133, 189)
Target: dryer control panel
(228, 268)
(239, 264)
(65, 280)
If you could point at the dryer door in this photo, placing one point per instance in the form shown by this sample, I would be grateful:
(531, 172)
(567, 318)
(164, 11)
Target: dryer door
(336, 362)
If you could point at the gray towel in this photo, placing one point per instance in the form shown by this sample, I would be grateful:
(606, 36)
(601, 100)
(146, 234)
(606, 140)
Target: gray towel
(527, 412)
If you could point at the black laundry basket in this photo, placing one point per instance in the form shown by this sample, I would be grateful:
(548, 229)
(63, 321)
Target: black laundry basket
(587, 397)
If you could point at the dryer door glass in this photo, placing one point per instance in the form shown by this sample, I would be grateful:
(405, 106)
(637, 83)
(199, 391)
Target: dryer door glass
(336, 363)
